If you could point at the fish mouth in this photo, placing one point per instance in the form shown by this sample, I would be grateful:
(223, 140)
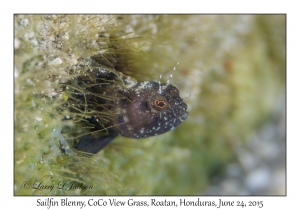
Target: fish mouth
(184, 116)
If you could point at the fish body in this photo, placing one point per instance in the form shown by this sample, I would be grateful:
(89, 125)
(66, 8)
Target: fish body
(138, 109)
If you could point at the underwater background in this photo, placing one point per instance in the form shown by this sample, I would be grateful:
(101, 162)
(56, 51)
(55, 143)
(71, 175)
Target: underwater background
(231, 73)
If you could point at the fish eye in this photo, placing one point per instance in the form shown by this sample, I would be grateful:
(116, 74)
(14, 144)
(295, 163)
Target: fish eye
(160, 104)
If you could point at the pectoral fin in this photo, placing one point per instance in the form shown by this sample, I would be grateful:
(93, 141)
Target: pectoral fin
(94, 145)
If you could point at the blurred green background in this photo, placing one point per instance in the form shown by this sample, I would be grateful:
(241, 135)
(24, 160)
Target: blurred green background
(231, 73)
